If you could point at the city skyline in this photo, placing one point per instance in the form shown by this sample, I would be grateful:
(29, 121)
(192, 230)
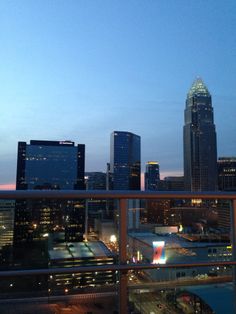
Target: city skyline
(78, 71)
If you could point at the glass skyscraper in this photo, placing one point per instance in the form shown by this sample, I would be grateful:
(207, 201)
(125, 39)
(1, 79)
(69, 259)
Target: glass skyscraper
(200, 156)
(125, 161)
(152, 176)
(49, 165)
(125, 169)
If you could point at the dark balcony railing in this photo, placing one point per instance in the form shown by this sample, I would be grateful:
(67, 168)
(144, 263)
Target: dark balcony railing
(122, 267)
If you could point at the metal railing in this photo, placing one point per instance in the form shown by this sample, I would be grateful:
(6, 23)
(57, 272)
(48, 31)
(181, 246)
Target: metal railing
(123, 196)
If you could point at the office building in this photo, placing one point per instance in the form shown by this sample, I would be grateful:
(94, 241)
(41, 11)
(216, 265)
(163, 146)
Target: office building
(152, 176)
(96, 209)
(179, 248)
(171, 184)
(227, 173)
(125, 161)
(7, 208)
(95, 180)
(226, 182)
(49, 165)
(224, 214)
(200, 157)
(71, 254)
(156, 212)
(160, 211)
(125, 170)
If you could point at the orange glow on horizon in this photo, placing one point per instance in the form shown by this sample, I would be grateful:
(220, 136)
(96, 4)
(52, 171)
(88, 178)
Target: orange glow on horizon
(174, 173)
(9, 186)
(12, 186)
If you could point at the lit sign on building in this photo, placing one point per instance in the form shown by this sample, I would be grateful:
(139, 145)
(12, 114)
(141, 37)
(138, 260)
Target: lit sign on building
(181, 228)
(152, 163)
(158, 252)
(66, 143)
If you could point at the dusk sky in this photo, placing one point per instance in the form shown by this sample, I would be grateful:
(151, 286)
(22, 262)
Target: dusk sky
(78, 70)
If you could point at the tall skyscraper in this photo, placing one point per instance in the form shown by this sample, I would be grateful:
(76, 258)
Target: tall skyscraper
(200, 157)
(49, 165)
(152, 176)
(125, 161)
(125, 170)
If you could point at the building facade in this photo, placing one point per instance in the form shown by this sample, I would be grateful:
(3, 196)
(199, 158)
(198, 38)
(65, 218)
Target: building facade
(95, 180)
(172, 184)
(125, 154)
(227, 173)
(177, 248)
(96, 209)
(226, 182)
(7, 208)
(125, 170)
(70, 254)
(152, 176)
(199, 135)
(49, 165)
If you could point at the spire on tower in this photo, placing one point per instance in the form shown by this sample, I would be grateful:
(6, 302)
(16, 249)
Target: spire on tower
(198, 88)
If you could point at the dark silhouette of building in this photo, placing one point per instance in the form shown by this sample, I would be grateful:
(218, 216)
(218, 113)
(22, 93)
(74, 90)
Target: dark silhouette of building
(95, 180)
(171, 184)
(200, 157)
(124, 172)
(226, 182)
(97, 209)
(156, 212)
(223, 210)
(227, 173)
(49, 165)
(152, 176)
(125, 161)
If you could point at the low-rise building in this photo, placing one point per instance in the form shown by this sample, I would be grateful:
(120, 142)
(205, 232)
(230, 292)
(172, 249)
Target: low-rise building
(75, 254)
(177, 248)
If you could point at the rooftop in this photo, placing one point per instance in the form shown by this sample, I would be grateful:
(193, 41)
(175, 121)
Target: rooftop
(94, 249)
(219, 297)
(173, 240)
(198, 89)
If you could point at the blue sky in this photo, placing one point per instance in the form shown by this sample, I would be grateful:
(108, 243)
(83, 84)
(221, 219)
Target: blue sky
(78, 70)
